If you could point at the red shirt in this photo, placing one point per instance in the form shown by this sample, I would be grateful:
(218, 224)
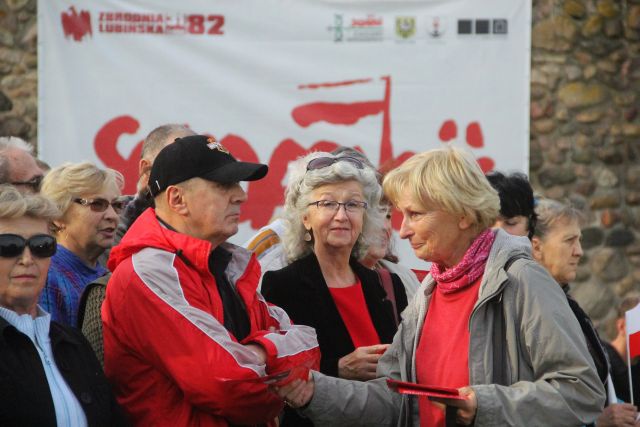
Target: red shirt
(355, 314)
(443, 351)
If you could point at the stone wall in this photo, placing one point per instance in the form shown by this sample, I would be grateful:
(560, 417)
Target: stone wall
(18, 69)
(585, 134)
(585, 127)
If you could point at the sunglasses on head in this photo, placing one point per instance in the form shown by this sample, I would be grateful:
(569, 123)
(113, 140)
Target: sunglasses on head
(323, 162)
(100, 204)
(40, 245)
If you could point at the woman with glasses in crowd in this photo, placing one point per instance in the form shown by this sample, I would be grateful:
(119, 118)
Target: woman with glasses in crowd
(88, 198)
(49, 373)
(333, 211)
(487, 322)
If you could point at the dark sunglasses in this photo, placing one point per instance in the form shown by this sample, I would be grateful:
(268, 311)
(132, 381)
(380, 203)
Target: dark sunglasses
(34, 183)
(323, 162)
(40, 245)
(101, 205)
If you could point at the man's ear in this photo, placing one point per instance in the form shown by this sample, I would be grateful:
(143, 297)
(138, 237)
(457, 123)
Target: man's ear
(176, 200)
(144, 166)
(536, 248)
(144, 170)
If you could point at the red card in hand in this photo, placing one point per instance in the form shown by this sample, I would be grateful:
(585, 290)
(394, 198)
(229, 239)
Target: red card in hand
(424, 390)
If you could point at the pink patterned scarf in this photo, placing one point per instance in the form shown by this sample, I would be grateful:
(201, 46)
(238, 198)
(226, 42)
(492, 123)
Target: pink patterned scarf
(469, 268)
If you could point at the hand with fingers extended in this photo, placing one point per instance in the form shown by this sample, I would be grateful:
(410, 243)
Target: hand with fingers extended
(467, 408)
(297, 393)
(361, 364)
(617, 415)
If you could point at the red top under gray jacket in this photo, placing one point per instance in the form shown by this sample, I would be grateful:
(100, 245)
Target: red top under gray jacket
(166, 349)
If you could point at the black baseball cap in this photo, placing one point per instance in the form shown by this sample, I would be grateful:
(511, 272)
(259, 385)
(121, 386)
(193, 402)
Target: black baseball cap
(203, 157)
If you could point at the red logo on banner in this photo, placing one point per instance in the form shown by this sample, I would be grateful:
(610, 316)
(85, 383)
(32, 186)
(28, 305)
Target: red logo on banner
(76, 25)
(473, 138)
(265, 195)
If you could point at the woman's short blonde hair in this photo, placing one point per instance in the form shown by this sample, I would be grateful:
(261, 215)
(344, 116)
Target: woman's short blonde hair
(71, 180)
(14, 204)
(452, 179)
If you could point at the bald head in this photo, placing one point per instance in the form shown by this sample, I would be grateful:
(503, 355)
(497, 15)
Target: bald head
(157, 139)
(18, 166)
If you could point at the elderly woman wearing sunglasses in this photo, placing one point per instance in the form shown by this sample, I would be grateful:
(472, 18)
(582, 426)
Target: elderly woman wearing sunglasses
(333, 211)
(49, 373)
(88, 198)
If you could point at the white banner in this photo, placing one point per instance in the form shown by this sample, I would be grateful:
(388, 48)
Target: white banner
(273, 79)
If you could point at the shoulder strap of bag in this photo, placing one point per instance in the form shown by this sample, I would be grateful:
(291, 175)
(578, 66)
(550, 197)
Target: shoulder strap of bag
(387, 284)
(499, 333)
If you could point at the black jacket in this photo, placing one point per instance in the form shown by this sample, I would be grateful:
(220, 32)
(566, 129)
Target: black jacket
(25, 397)
(301, 291)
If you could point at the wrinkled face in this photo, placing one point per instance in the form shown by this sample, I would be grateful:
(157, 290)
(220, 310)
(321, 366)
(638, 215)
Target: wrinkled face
(517, 225)
(24, 170)
(434, 235)
(335, 229)
(86, 231)
(214, 209)
(22, 278)
(560, 250)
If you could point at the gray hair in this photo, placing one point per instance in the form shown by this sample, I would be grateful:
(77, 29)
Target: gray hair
(7, 143)
(303, 182)
(14, 204)
(550, 212)
(160, 137)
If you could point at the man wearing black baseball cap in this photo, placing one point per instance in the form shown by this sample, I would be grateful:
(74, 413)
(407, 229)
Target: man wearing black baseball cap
(186, 335)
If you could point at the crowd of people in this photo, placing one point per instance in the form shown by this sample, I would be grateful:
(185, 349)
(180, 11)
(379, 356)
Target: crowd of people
(121, 310)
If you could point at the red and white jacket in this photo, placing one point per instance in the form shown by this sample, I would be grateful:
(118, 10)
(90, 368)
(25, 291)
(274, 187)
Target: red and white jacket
(166, 350)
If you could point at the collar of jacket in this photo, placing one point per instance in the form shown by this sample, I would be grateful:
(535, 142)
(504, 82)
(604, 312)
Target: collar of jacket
(147, 232)
(504, 247)
(57, 333)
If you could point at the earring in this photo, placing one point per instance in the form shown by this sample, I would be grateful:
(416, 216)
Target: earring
(307, 236)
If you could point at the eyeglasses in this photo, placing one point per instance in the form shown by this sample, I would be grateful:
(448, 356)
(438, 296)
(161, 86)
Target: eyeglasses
(331, 206)
(34, 183)
(323, 162)
(40, 245)
(101, 205)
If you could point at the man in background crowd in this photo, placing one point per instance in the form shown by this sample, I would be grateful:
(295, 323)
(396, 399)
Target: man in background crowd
(18, 167)
(157, 139)
(617, 352)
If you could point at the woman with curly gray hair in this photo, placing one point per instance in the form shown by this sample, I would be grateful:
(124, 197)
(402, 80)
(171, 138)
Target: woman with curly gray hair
(333, 213)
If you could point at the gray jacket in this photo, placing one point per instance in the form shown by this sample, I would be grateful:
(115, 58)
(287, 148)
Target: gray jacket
(549, 375)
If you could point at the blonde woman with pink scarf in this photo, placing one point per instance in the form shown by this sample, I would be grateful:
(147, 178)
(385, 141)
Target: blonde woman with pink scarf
(488, 321)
